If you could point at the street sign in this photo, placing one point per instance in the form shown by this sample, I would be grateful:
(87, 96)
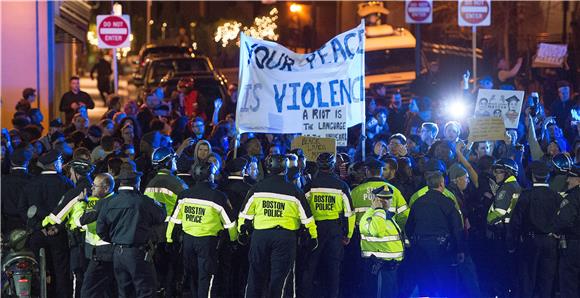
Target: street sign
(474, 12)
(419, 11)
(113, 31)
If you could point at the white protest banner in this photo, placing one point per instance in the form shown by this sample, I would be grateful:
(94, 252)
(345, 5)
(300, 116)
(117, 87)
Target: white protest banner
(550, 55)
(501, 104)
(313, 146)
(317, 94)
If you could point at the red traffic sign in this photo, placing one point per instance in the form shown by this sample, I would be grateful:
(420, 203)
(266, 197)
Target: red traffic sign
(474, 12)
(113, 31)
(419, 11)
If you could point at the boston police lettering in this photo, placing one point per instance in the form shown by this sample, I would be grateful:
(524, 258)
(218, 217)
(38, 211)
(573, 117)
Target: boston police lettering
(319, 93)
(194, 214)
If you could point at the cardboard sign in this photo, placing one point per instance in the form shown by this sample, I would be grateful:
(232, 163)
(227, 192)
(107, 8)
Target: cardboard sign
(550, 55)
(503, 104)
(313, 146)
(486, 129)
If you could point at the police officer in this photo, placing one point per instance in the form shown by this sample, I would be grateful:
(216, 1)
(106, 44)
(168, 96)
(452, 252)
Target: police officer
(331, 205)
(44, 192)
(276, 208)
(79, 172)
(164, 188)
(499, 214)
(128, 221)
(99, 276)
(567, 224)
(562, 163)
(435, 229)
(236, 189)
(382, 244)
(434, 165)
(362, 197)
(13, 186)
(203, 212)
(533, 222)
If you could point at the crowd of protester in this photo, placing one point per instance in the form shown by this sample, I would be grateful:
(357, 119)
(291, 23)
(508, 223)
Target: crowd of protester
(403, 138)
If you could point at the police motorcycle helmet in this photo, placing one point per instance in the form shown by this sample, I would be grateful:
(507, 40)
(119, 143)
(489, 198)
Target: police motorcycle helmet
(562, 162)
(506, 164)
(326, 161)
(81, 166)
(202, 171)
(276, 164)
(161, 156)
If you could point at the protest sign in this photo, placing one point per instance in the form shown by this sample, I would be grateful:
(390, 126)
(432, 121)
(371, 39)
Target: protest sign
(320, 93)
(486, 129)
(500, 104)
(313, 146)
(550, 55)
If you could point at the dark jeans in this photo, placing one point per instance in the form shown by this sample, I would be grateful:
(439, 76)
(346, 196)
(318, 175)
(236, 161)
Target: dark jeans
(570, 270)
(325, 260)
(99, 280)
(201, 263)
(271, 251)
(133, 272)
(538, 257)
(432, 268)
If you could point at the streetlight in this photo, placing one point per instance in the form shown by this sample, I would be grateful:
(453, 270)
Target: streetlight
(295, 8)
(163, 28)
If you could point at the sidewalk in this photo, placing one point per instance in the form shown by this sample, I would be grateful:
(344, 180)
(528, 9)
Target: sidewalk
(90, 87)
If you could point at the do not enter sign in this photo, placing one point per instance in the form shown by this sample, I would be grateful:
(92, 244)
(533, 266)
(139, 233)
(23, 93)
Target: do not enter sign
(113, 31)
(419, 11)
(474, 12)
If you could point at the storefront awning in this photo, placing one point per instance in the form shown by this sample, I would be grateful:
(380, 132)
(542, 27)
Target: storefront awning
(72, 21)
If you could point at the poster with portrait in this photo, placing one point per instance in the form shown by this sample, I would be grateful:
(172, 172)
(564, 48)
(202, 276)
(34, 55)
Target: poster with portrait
(505, 104)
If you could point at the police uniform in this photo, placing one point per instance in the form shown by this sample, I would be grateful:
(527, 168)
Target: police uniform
(331, 205)
(164, 188)
(203, 212)
(382, 245)
(236, 270)
(12, 189)
(99, 276)
(435, 229)
(567, 224)
(533, 222)
(45, 192)
(128, 221)
(363, 195)
(505, 200)
(498, 216)
(277, 208)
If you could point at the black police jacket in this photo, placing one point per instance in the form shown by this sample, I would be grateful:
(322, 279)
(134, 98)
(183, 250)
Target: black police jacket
(236, 189)
(45, 192)
(535, 211)
(435, 215)
(12, 201)
(129, 218)
(568, 218)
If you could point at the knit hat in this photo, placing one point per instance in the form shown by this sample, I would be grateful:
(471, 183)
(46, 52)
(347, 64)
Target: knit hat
(456, 171)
